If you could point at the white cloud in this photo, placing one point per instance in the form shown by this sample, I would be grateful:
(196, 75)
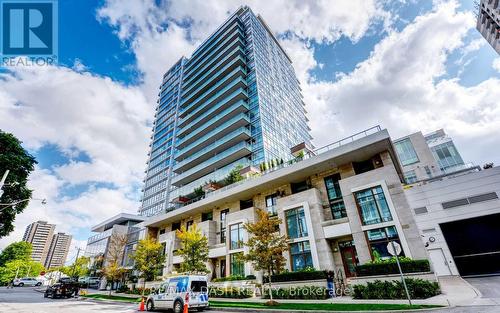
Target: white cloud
(401, 87)
(496, 64)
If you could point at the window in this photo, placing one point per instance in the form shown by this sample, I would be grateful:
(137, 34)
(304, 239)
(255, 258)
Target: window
(378, 239)
(162, 231)
(410, 177)
(300, 253)
(373, 206)
(223, 215)
(271, 204)
(189, 224)
(363, 166)
(245, 204)
(447, 155)
(237, 265)
(176, 226)
(296, 223)
(199, 286)
(406, 152)
(300, 186)
(208, 216)
(178, 284)
(335, 196)
(236, 236)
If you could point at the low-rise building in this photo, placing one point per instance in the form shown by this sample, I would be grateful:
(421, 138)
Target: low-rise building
(340, 206)
(122, 229)
(426, 156)
(458, 216)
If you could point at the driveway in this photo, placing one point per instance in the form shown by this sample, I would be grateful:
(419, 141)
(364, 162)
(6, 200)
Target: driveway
(488, 286)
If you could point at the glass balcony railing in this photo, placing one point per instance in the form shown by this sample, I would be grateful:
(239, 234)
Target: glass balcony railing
(207, 69)
(190, 102)
(183, 123)
(197, 170)
(212, 133)
(213, 146)
(210, 78)
(225, 38)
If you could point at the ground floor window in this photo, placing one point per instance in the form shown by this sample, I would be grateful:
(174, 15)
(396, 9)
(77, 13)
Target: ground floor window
(379, 238)
(237, 265)
(300, 253)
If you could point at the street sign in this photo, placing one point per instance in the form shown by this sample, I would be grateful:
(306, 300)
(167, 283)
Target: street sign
(394, 248)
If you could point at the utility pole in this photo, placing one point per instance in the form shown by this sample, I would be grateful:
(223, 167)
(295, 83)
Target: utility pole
(2, 182)
(74, 263)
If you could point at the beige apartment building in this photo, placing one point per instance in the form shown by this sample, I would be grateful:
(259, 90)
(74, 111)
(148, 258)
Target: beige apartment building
(340, 205)
(39, 234)
(58, 250)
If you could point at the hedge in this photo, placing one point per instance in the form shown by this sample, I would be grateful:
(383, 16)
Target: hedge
(304, 292)
(418, 289)
(231, 292)
(297, 276)
(390, 267)
(234, 277)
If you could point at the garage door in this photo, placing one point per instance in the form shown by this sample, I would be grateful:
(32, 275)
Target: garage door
(475, 244)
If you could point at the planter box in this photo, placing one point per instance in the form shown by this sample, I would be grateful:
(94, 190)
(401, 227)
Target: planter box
(429, 276)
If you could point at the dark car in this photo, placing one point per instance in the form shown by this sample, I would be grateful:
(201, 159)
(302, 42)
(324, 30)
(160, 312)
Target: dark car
(62, 289)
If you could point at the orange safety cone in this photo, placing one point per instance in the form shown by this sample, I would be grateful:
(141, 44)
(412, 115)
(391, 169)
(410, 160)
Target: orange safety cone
(185, 308)
(141, 306)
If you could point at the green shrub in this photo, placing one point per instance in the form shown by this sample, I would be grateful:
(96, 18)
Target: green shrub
(304, 292)
(123, 288)
(138, 291)
(418, 289)
(230, 292)
(234, 277)
(385, 267)
(305, 274)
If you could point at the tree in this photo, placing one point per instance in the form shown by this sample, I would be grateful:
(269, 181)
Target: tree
(19, 268)
(113, 272)
(78, 269)
(20, 163)
(149, 259)
(266, 246)
(234, 175)
(194, 249)
(20, 250)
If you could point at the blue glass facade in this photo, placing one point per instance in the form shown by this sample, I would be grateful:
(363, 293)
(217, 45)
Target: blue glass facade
(235, 101)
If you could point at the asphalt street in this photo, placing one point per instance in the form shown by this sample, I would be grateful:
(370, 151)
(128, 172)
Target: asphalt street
(27, 300)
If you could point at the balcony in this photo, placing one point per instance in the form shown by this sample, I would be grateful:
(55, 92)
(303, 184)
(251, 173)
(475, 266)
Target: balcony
(191, 103)
(233, 102)
(192, 143)
(232, 82)
(214, 148)
(228, 156)
(233, 63)
(230, 60)
(223, 41)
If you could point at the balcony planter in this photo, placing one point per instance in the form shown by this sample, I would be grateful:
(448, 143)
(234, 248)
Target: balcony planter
(211, 186)
(180, 199)
(249, 171)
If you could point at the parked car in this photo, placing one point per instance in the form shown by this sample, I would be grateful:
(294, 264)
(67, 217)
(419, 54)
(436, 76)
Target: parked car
(89, 282)
(26, 281)
(174, 292)
(64, 288)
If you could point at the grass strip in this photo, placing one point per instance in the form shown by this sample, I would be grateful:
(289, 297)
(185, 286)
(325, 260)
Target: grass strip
(321, 306)
(115, 298)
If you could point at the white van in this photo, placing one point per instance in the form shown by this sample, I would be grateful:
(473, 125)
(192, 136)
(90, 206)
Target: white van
(177, 290)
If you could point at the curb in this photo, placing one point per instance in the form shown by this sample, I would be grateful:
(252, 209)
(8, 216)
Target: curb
(81, 298)
(222, 309)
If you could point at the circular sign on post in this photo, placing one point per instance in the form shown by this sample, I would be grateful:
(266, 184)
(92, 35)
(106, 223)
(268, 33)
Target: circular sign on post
(394, 248)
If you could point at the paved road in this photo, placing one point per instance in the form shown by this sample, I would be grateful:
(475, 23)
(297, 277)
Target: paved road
(27, 300)
(488, 286)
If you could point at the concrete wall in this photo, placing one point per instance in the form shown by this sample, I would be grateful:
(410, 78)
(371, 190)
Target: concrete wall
(431, 195)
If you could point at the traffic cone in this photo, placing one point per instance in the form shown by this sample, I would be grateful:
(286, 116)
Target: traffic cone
(141, 306)
(185, 308)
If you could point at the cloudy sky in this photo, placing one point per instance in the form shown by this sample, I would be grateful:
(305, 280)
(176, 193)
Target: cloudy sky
(406, 65)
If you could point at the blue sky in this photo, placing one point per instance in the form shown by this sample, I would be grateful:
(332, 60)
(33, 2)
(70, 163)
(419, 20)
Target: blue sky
(406, 65)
